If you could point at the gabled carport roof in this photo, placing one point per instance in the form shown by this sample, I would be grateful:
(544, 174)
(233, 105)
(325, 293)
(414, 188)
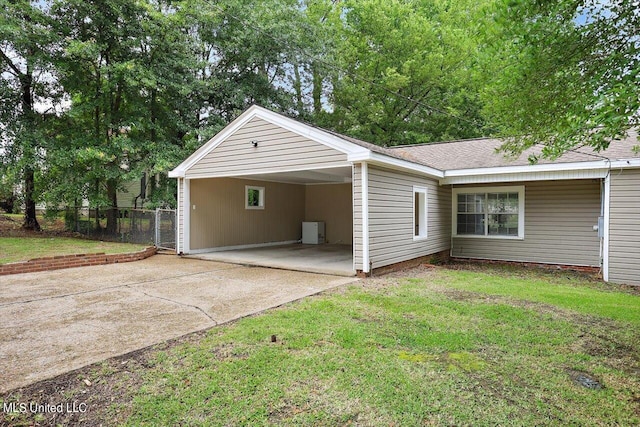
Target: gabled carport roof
(356, 150)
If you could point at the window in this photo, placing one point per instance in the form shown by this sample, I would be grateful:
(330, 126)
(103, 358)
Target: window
(489, 212)
(253, 197)
(419, 213)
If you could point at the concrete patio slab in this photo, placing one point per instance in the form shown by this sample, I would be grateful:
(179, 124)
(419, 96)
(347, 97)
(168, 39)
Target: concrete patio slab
(324, 259)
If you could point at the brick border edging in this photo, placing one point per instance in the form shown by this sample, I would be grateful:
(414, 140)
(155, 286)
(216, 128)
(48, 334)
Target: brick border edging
(69, 261)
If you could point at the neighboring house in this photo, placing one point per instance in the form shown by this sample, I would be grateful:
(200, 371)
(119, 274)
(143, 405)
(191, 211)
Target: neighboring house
(135, 194)
(260, 177)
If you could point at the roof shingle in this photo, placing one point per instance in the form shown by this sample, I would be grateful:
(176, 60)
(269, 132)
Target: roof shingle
(483, 153)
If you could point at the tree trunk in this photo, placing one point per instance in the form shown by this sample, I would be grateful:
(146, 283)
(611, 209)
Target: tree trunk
(112, 213)
(297, 86)
(30, 221)
(317, 88)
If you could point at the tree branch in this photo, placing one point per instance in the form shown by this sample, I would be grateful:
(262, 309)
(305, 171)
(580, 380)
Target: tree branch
(10, 63)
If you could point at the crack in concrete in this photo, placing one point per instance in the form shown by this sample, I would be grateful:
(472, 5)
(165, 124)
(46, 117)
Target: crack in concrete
(215, 322)
(108, 288)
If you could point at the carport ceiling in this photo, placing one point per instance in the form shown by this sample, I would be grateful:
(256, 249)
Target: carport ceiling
(314, 176)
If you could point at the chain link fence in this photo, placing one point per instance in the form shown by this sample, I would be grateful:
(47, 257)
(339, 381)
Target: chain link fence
(165, 229)
(153, 227)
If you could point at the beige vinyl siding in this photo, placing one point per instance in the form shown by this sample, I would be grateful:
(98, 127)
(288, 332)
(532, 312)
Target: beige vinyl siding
(357, 216)
(127, 194)
(220, 218)
(333, 204)
(278, 150)
(558, 227)
(624, 227)
(391, 217)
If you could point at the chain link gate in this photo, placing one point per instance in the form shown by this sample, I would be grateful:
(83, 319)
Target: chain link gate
(165, 229)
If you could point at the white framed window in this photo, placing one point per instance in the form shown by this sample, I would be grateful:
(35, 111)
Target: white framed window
(253, 197)
(419, 213)
(489, 212)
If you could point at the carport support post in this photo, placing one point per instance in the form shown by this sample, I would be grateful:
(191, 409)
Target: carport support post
(606, 203)
(186, 226)
(365, 218)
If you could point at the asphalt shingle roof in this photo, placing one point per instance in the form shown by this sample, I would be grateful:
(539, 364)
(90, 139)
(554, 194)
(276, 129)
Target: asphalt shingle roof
(483, 153)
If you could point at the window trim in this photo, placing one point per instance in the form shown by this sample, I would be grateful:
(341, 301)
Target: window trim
(479, 190)
(424, 216)
(260, 197)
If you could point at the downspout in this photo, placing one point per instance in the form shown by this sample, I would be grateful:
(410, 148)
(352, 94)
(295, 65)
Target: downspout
(604, 212)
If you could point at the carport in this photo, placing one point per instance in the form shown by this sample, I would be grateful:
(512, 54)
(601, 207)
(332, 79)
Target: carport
(223, 228)
(243, 196)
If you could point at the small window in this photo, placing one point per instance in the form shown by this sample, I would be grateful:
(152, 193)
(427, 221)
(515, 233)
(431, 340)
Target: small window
(489, 212)
(253, 197)
(419, 213)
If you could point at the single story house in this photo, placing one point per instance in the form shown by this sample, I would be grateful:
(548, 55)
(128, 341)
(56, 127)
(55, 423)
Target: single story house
(256, 181)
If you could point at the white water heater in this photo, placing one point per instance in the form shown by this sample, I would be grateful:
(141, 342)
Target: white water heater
(312, 233)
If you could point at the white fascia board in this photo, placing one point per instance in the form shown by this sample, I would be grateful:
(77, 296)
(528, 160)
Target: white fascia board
(553, 167)
(315, 134)
(582, 170)
(272, 171)
(522, 176)
(291, 125)
(392, 162)
(626, 163)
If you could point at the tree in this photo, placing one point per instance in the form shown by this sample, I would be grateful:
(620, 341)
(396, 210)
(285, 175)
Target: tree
(27, 80)
(563, 74)
(311, 51)
(406, 71)
(150, 81)
(241, 62)
(129, 70)
(98, 66)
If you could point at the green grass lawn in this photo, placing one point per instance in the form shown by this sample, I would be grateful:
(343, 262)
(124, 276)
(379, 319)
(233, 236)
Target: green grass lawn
(464, 346)
(411, 352)
(14, 249)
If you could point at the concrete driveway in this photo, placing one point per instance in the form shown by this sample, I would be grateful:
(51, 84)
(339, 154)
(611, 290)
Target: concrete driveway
(54, 322)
